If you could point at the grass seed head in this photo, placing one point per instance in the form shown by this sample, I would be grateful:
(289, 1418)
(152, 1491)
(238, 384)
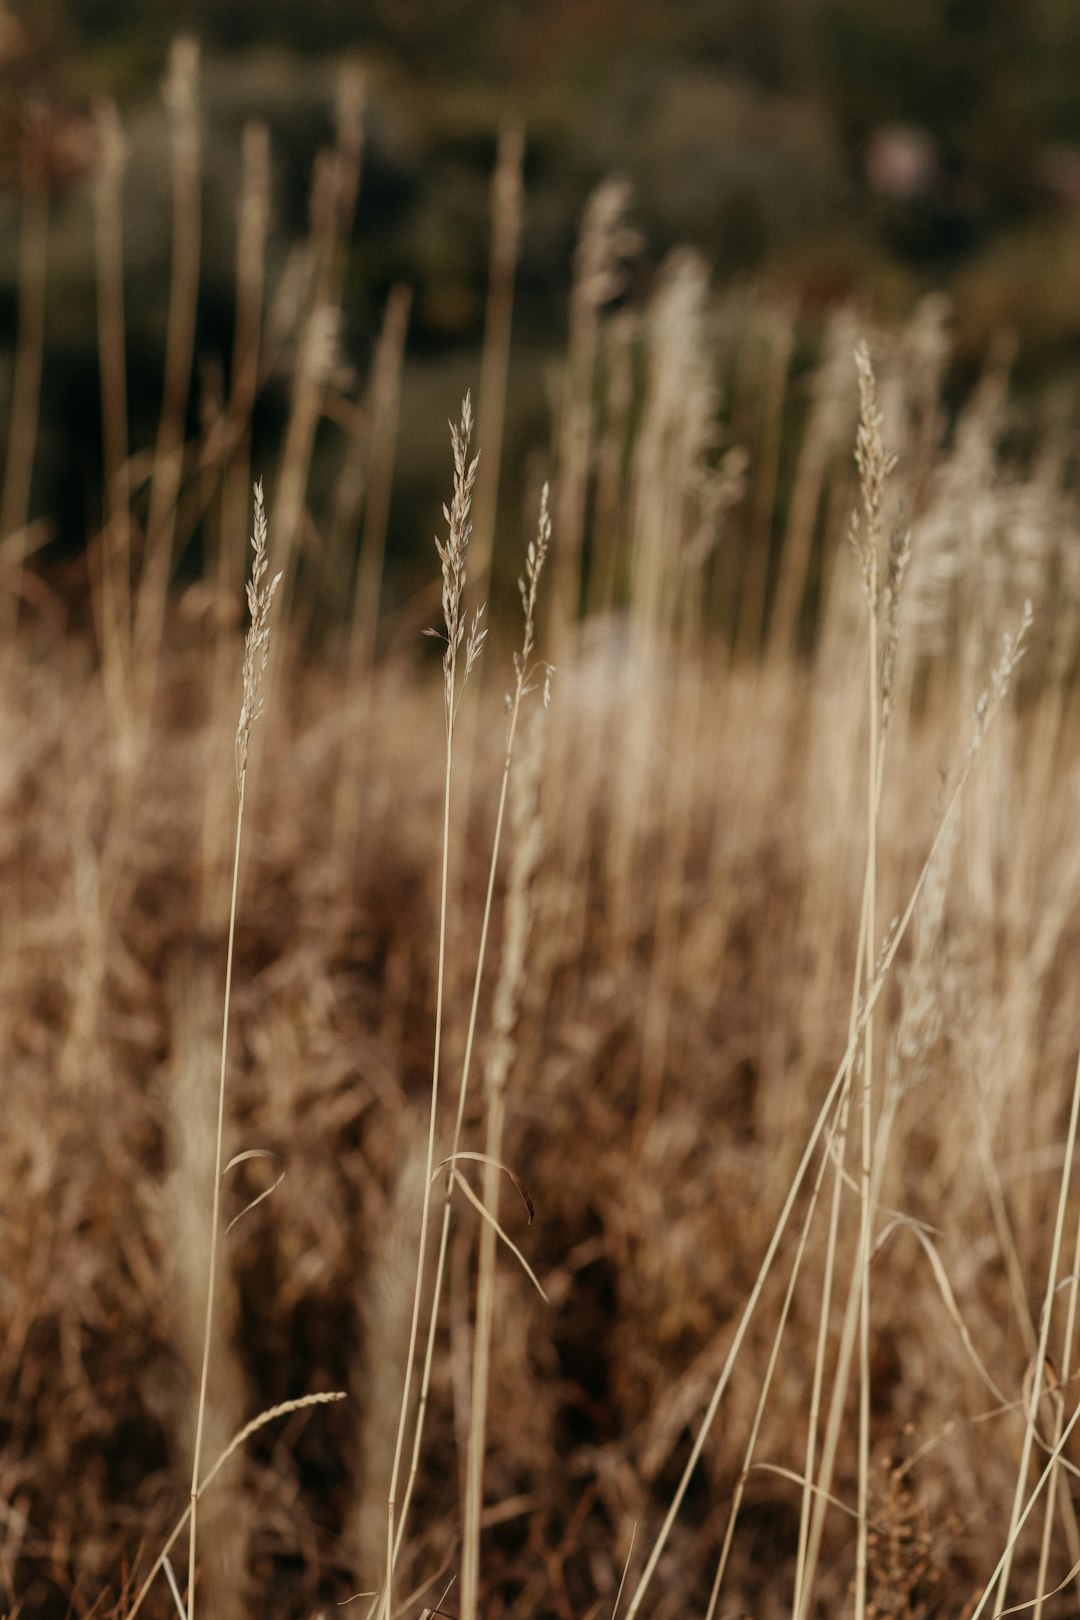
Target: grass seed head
(260, 597)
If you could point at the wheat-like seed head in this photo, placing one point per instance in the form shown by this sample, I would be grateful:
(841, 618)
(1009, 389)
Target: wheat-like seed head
(260, 597)
(874, 468)
(452, 558)
(529, 581)
(1013, 647)
(605, 244)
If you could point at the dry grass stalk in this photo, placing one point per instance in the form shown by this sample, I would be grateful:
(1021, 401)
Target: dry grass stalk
(621, 338)
(604, 244)
(451, 552)
(29, 357)
(252, 224)
(779, 338)
(186, 1203)
(523, 669)
(181, 94)
(828, 425)
(260, 596)
(524, 672)
(720, 492)
(874, 468)
(672, 509)
(379, 469)
(1039, 1368)
(506, 209)
(986, 709)
(115, 547)
(525, 826)
(335, 183)
(387, 1312)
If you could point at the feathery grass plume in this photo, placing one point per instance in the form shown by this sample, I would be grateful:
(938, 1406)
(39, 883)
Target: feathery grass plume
(674, 484)
(827, 429)
(916, 420)
(605, 243)
(950, 606)
(990, 699)
(452, 558)
(874, 468)
(260, 597)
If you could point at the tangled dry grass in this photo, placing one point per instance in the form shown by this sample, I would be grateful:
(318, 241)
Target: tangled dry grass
(776, 1024)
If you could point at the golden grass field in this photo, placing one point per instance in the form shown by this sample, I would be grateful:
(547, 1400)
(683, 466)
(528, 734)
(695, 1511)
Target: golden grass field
(757, 949)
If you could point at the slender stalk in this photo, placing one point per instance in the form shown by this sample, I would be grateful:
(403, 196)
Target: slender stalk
(874, 468)
(603, 244)
(219, 1156)
(29, 352)
(1059, 1419)
(507, 999)
(115, 615)
(393, 1537)
(534, 564)
(780, 338)
(334, 187)
(452, 557)
(1038, 1369)
(1047, 1474)
(181, 92)
(873, 802)
(260, 600)
(506, 200)
(825, 1310)
(774, 1356)
(377, 471)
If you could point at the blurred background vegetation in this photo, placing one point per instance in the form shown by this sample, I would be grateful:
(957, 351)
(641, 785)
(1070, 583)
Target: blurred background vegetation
(822, 149)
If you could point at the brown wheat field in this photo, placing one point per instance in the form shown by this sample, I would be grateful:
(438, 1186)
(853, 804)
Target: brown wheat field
(711, 926)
